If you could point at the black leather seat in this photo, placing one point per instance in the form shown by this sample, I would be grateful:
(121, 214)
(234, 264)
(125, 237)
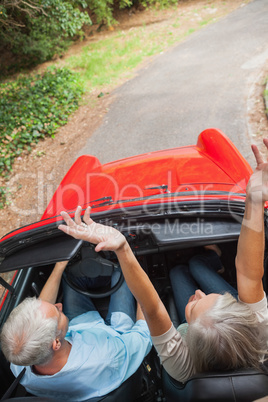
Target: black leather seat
(237, 386)
(129, 391)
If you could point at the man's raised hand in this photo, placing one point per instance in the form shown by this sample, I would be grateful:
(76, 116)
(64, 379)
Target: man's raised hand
(105, 237)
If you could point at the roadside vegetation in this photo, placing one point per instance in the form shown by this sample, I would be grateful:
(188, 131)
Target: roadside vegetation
(36, 30)
(34, 105)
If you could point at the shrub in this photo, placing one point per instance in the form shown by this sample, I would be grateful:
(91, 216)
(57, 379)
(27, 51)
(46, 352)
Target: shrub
(33, 107)
(37, 32)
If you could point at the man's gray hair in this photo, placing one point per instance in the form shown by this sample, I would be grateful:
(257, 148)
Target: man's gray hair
(27, 335)
(228, 336)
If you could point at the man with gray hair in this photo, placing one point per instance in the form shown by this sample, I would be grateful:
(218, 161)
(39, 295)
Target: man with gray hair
(77, 360)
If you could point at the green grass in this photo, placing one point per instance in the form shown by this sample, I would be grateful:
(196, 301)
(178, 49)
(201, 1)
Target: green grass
(205, 22)
(107, 60)
(265, 95)
(100, 63)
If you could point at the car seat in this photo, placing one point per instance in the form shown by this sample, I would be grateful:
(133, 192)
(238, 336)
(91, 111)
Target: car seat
(244, 385)
(130, 390)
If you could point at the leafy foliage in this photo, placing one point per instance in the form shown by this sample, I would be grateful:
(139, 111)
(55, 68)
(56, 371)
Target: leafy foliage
(42, 29)
(37, 30)
(44, 39)
(33, 107)
(158, 4)
(3, 197)
(102, 10)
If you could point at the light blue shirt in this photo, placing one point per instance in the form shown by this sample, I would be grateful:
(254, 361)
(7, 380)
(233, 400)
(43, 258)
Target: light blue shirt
(102, 357)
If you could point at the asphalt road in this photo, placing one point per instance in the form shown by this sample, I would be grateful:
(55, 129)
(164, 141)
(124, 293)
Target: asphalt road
(203, 82)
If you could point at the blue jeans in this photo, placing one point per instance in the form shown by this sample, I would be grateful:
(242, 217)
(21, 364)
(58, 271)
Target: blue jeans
(75, 303)
(200, 273)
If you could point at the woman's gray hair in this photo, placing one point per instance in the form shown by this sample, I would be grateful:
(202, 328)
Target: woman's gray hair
(226, 337)
(27, 336)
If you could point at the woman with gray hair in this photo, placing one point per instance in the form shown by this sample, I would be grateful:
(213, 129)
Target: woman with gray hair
(229, 330)
(223, 332)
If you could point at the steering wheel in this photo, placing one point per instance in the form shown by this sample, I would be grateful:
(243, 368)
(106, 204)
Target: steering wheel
(91, 265)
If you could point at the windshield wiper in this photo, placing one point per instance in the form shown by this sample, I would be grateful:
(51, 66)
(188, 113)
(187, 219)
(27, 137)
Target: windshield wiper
(162, 187)
(107, 200)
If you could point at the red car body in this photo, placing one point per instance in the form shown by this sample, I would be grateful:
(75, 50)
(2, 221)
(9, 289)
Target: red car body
(211, 169)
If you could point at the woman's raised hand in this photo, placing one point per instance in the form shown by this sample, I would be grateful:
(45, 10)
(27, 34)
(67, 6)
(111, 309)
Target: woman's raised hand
(257, 188)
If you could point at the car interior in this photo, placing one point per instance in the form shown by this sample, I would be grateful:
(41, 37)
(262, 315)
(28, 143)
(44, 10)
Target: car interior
(157, 256)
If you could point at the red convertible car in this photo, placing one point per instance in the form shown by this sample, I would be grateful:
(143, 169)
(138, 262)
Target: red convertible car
(166, 203)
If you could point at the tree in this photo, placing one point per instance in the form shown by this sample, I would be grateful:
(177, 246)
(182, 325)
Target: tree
(39, 29)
